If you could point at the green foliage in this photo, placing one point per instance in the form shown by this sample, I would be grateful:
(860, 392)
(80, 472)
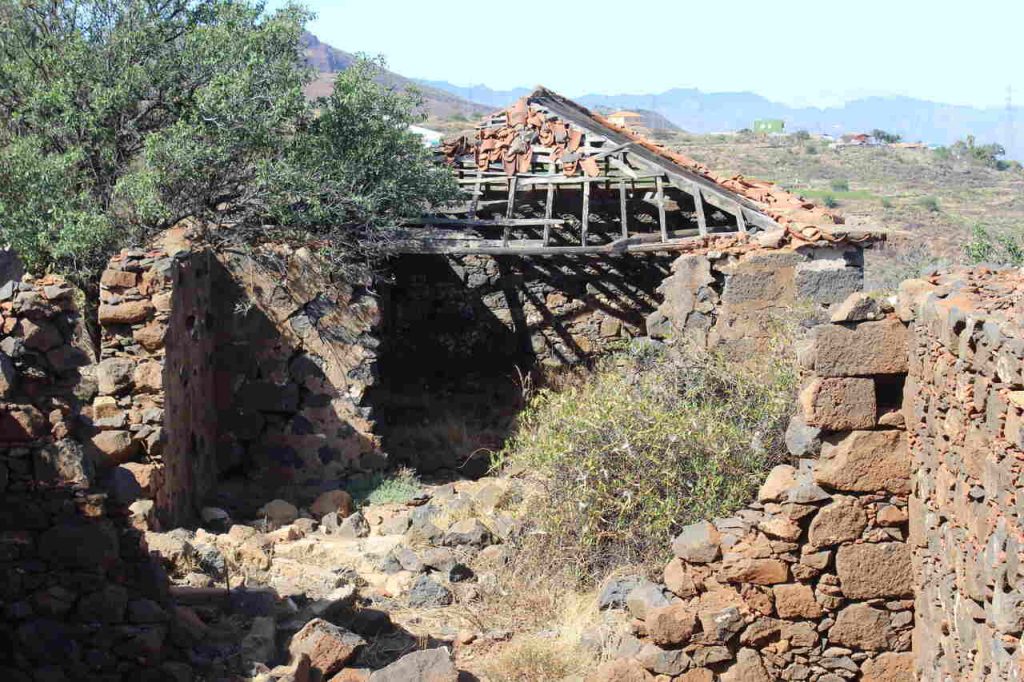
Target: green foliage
(830, 201)
(654, 440)
(811, 148)
(885, 137)
(887, 202)
(840, 185)
(399, 487)
(1003, 249)
(801, 136)
(970, 151)
(154, 111)
(44, 213)
(929, 204)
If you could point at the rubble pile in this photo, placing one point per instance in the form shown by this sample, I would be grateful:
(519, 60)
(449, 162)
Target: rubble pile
(333, 591)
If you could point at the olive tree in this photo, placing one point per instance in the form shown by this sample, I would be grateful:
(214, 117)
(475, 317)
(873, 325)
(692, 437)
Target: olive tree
(119, 118)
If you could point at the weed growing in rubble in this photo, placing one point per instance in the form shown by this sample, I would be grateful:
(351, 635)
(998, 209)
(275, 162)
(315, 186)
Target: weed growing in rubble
(398, 487)
(651, 442)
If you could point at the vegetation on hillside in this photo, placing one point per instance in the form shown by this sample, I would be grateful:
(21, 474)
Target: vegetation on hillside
(652, 440)
(996, 249)
(120, 117)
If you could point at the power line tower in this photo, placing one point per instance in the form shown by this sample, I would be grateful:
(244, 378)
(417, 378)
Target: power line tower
(1009, 119)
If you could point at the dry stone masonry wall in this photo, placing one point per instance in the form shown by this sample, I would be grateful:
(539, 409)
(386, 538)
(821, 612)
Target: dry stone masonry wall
(218, 364)
(79, 596)
(555, 311)
(734, 297)
(966, 395)
(813, 581)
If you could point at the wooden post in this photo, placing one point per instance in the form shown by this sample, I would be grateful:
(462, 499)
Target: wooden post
(508, 211)
(661, 208)
(549, 208)
(741, 222)
(476, 195)
(622, 209)
(586, 213)
(698, 201)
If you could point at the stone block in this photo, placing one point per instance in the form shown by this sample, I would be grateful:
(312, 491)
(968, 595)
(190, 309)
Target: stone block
(858, 307)
(671, 625)
(698, 543)
(645, 597)
(889, 667)
(776, 487)
(861, 626)
(328, 646)
(128, 312)
(802, 440)
(861, 350)
(827, 281)
(114, 375)
(866, 462)
(841, 521)
(839, 403)
(768, 287)
(120, 279)
(114, 447)
(875, 570)
(754, 571)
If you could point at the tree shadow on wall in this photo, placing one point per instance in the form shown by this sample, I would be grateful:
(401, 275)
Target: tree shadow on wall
(451, 368)
(258, 400)
(461, 343)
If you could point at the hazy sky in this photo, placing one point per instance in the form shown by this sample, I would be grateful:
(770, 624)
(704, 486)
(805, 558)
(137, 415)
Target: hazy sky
(800, 52)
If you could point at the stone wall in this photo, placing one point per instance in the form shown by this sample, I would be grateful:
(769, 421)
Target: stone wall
(551, 310)
(966, 395)
(461, 336)
(79, 596)
(222, 363)
(813, 581)
(736, 296)
(295, 355)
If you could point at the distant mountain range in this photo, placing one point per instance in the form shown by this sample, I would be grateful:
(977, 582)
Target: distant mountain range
(705, 112)
(448, 105)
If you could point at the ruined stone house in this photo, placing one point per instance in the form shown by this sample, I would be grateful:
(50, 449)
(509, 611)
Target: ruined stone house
(227, 377)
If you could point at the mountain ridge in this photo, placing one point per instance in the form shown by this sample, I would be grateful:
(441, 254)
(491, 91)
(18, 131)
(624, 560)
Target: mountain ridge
(703, 112)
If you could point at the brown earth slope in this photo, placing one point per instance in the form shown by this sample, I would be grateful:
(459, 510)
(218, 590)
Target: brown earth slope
(937, 202)
(443, 109)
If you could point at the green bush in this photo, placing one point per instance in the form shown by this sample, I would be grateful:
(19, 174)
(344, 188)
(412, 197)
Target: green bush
(985, 247)
(830, 201)
(929, 204)
(118, 118)
(651, 442)
(398, 487)
(840, 185)
(885, 137)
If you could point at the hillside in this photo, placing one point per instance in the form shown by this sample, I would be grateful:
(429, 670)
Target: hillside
(936, 201)
(441, 107)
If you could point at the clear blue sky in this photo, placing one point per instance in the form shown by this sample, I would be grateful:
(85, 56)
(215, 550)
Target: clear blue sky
(800, 52)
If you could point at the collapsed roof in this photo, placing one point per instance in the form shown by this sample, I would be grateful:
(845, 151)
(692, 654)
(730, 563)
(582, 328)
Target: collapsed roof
(546, 141)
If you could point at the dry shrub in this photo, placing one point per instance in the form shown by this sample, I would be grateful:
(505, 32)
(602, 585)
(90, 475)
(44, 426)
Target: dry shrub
(655, 440)
(533, 659)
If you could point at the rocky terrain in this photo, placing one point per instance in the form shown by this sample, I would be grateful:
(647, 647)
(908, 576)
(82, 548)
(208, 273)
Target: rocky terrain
(338, 593)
